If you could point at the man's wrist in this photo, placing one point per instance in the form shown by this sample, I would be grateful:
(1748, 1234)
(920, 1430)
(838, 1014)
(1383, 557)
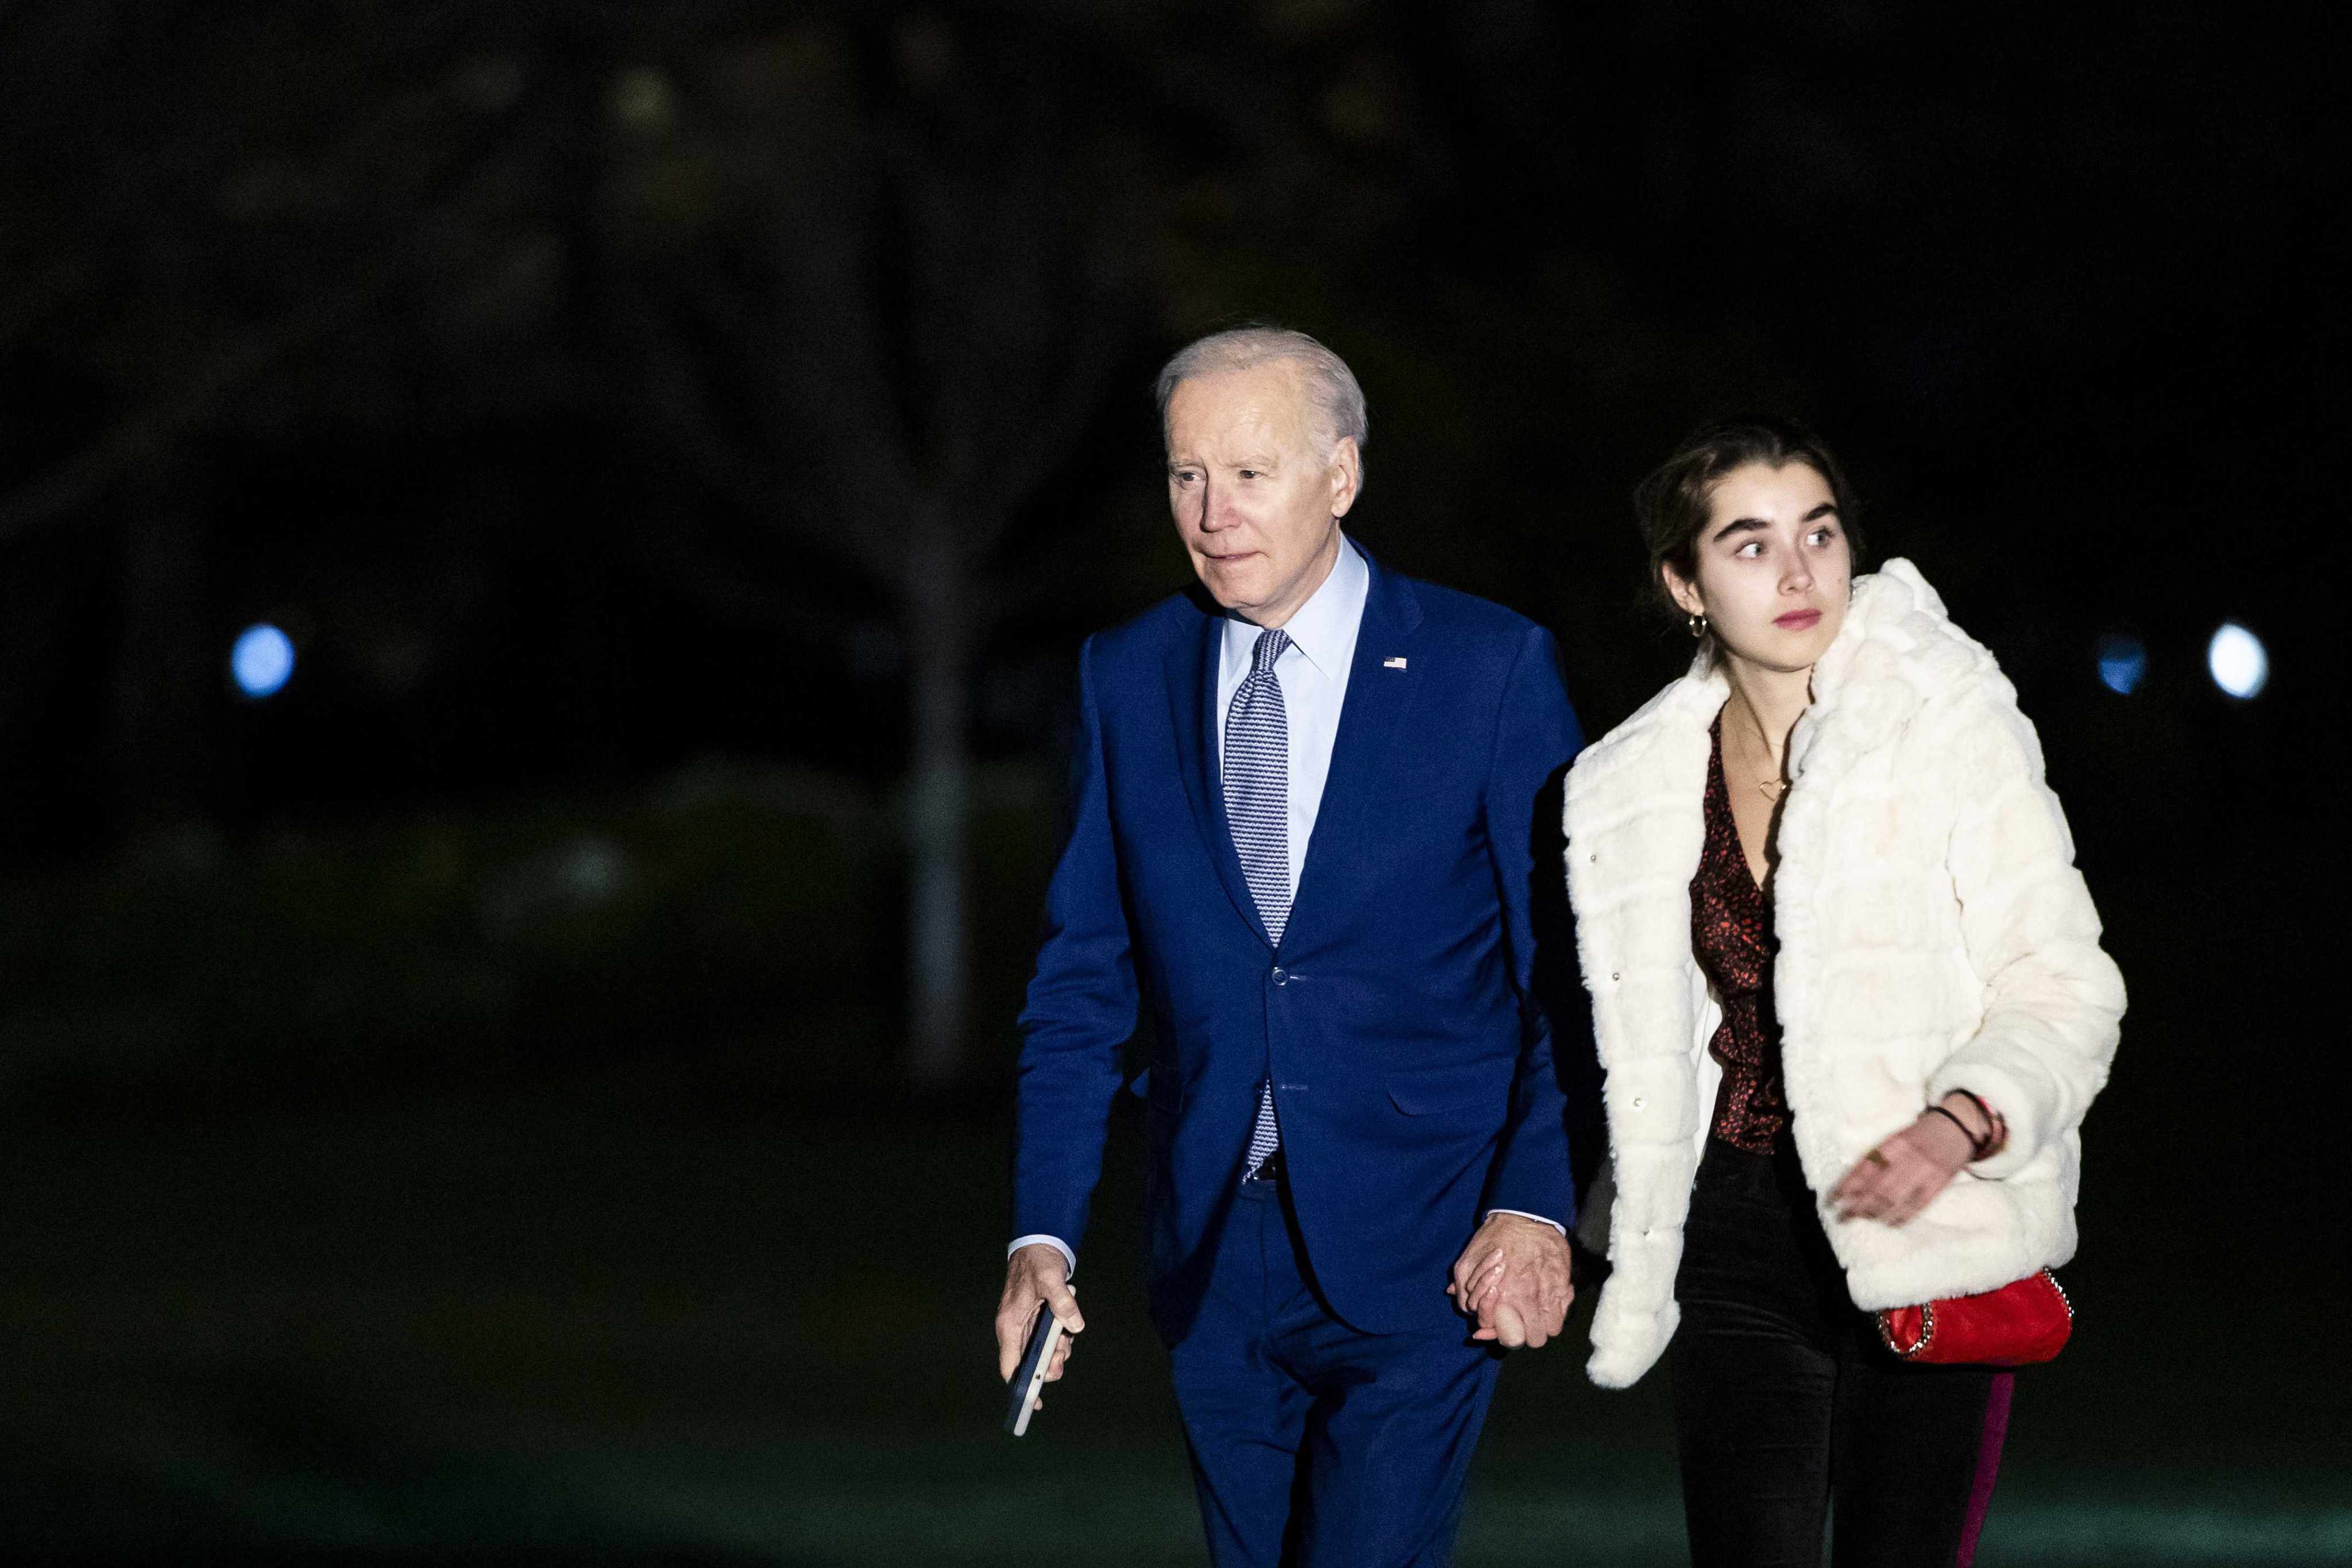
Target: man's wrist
(1069, 1259)
(1539, 1218)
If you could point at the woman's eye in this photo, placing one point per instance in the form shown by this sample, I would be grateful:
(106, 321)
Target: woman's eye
(1753, 549)
(1249, 473)
(1820, 536)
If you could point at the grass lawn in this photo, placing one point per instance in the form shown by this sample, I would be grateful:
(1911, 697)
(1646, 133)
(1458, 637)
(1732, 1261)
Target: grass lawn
(560, 1329)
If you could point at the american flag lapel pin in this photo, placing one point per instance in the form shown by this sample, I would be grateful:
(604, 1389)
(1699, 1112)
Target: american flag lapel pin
(1392, 664)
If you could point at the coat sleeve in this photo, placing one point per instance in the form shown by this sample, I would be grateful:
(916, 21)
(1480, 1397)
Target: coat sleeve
(1536, 738)
(2053, 999)
(1081, 1008)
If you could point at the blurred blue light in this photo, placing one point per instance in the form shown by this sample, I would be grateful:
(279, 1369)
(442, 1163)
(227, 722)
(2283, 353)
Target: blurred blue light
(2241, 665)
(261, 660)
(2122, 662)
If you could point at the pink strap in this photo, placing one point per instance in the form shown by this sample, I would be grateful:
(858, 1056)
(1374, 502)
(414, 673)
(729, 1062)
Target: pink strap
(1996, 1432)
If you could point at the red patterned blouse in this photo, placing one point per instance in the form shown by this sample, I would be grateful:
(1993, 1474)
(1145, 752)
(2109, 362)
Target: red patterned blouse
(1731, 934)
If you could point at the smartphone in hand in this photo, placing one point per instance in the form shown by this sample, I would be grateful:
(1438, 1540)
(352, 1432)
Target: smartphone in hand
(1029, 1378)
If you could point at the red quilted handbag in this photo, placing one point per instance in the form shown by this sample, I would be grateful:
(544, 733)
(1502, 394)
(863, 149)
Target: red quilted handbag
(2025, 1322)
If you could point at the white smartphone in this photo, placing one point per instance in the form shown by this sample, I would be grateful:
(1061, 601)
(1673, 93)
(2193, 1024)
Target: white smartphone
(1031, 1376)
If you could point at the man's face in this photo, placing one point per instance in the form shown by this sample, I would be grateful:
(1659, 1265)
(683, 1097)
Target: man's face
(1257, 506)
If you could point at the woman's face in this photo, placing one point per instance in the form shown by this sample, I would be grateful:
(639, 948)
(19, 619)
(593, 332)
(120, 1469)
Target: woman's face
(1773, 569)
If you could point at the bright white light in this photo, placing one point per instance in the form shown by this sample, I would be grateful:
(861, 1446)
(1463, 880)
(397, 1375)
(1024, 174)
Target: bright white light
(261, 660)
(2241, 665)
(2122, 661)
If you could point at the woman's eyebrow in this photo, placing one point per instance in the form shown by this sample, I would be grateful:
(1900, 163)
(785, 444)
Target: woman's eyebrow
(1756, 525)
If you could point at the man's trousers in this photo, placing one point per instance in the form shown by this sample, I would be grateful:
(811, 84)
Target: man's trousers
(1314, 1445)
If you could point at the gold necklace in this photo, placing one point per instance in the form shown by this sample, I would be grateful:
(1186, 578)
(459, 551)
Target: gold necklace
(1773, 788)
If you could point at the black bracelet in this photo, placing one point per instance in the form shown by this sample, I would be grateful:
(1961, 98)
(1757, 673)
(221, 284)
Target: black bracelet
(1977, 1146)
(1995, 1129)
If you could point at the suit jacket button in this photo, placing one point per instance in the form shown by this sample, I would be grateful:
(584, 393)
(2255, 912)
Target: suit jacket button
(1281, 976)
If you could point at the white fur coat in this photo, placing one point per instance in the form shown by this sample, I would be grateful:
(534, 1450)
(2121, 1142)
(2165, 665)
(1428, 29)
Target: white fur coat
(1934, 934)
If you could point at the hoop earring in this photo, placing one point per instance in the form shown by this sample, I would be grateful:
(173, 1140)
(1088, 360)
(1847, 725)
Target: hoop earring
(1697, 625)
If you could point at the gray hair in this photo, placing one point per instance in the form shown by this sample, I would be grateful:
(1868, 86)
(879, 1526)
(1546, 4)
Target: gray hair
(1339, 401)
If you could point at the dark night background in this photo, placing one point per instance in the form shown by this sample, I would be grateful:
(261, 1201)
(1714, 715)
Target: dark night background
(534, 1088)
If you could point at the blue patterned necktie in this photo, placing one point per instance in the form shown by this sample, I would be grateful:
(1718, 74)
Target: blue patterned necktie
(1257, 804)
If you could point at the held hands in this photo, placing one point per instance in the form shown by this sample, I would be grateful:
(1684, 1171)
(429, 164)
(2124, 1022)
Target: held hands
(1895, 1181)
(1034, 1275)
(1513, 1279)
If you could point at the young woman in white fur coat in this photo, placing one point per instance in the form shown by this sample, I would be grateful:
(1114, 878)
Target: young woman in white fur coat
(1848, 992)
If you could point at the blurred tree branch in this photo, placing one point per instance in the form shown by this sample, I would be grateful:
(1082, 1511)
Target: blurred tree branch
(170, 400)
(885, 354)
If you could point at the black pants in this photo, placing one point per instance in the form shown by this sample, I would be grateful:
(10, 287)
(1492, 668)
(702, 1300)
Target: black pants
(1784, 1399)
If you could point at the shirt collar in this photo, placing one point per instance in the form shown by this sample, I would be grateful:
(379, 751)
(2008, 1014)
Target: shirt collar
(1324, 629)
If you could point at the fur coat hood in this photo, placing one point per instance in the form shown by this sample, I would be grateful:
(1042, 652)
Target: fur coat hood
(1934, 934)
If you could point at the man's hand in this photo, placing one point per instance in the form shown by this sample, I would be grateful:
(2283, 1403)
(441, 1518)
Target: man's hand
(1514, 1277)
(1034, 1274)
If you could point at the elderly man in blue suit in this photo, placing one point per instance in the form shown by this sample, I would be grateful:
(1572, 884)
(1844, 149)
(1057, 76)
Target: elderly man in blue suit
(1305, 820)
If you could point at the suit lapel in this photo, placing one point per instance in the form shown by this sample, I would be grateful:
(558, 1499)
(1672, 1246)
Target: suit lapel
(1379, 696)
(1192, 672)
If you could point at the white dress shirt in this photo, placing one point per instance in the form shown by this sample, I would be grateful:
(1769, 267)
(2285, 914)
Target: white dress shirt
(1313, 675)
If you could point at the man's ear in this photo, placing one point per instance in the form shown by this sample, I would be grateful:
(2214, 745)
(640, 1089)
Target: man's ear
(1347, 474)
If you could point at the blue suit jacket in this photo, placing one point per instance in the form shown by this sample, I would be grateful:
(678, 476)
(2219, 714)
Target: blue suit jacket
(1398, 1019)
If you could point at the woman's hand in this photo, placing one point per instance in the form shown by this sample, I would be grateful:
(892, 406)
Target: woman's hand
(1901, 1176)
